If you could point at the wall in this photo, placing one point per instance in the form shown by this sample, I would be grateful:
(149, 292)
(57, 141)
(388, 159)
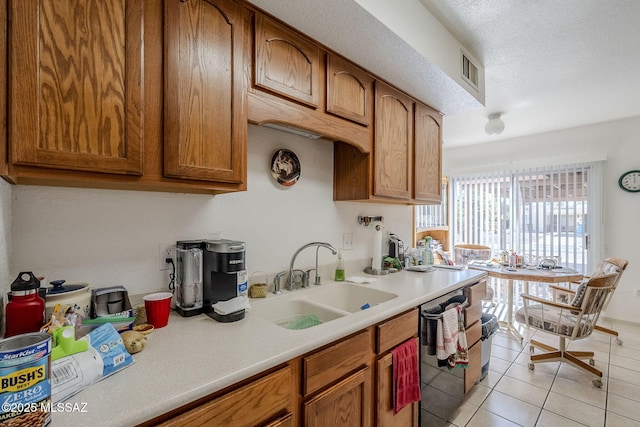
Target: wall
(107, 237)
(617, 142)
(5, 238)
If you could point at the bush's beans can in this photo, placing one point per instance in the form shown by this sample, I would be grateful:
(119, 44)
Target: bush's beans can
(25, 391)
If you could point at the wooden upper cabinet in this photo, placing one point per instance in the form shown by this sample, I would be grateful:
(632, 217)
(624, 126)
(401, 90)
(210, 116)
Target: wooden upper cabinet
(428, 152)
(393, 143)
(349, 89)
(76, 89)
(205, 111)
(285, 62)
(3, 89)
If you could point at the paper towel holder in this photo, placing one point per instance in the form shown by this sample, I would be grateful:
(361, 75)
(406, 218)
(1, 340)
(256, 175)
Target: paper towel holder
(366, 220)
(376, 272)
(371, 270)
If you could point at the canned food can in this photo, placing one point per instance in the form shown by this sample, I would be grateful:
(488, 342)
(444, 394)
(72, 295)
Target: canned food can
(25, 385)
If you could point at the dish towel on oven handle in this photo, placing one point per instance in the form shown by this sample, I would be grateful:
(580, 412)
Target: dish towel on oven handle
(451, 345)
(406, 376)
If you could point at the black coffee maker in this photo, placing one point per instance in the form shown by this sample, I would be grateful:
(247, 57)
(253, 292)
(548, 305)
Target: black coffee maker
(224, 276)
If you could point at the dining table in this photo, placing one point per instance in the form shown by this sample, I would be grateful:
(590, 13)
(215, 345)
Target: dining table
(526, 275)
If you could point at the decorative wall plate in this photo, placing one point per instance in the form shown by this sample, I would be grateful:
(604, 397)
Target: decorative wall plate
(285, 167)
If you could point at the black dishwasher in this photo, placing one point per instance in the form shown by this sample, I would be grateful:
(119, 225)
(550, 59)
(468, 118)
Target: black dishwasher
(442, 388)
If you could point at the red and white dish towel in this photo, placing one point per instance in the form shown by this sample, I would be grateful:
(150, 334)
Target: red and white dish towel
(451, 339)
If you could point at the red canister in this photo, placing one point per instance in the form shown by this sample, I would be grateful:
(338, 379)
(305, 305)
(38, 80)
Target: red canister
(25, 310)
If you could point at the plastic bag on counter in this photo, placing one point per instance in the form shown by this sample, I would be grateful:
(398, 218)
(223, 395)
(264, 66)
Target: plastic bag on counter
(105, 356)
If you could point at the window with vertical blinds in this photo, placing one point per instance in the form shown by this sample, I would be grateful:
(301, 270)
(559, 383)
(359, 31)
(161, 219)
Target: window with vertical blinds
(429, 216)
(540, 213)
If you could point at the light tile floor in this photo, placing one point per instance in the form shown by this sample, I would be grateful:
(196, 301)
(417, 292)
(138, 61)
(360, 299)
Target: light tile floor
(553, 394)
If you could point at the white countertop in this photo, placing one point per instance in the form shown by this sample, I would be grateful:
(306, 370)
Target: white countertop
(193, 357)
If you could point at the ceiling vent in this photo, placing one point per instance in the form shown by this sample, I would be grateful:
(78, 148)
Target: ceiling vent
(469, 71)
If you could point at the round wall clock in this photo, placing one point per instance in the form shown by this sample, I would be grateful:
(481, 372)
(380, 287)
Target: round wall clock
(630, 181)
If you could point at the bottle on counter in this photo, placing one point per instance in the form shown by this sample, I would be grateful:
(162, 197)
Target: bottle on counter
(419, 253)
(513, 259)
(427, 253)
(339, 276)
(25, 309)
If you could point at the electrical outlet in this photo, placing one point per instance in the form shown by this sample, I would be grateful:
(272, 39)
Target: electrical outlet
(638, 292)
(347, 241)
(166, 250)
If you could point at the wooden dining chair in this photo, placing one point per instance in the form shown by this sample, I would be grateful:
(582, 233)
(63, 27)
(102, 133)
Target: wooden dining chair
(465, 252)
(573, 321)
(606, 266)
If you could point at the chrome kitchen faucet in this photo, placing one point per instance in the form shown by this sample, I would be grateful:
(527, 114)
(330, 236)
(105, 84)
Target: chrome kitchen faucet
(290, 285)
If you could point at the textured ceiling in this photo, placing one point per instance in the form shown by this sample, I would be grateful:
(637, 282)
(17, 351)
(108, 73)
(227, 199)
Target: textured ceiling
(549, 64)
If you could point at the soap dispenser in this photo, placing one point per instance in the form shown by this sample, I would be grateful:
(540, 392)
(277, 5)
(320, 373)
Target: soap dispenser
(339, 276)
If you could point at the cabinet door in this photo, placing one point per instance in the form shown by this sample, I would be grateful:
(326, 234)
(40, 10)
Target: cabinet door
(396, 331)
(328, 365)
(393, 143)
(408, 416)
(349, 90)
(286, 421)
(428, 153)
(285, 62)
(205, 98)
(347, 403)
(473, 372)
(248, 406)
(3, 88)
(76, 85)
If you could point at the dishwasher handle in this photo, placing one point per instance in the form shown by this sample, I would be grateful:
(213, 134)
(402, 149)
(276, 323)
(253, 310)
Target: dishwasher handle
(436, 311)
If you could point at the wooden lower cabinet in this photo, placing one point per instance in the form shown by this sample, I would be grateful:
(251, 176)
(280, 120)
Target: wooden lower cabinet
(328, 365)
(286, 421)
(254, 404)
(408, 416)
(396, 331)
(473, 325)
(347, 383)
(389, 335)
(336, 383)
(473, 372)
(347, 403)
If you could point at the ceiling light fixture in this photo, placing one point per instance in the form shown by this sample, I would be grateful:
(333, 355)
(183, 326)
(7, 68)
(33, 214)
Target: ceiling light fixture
(495, 125)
